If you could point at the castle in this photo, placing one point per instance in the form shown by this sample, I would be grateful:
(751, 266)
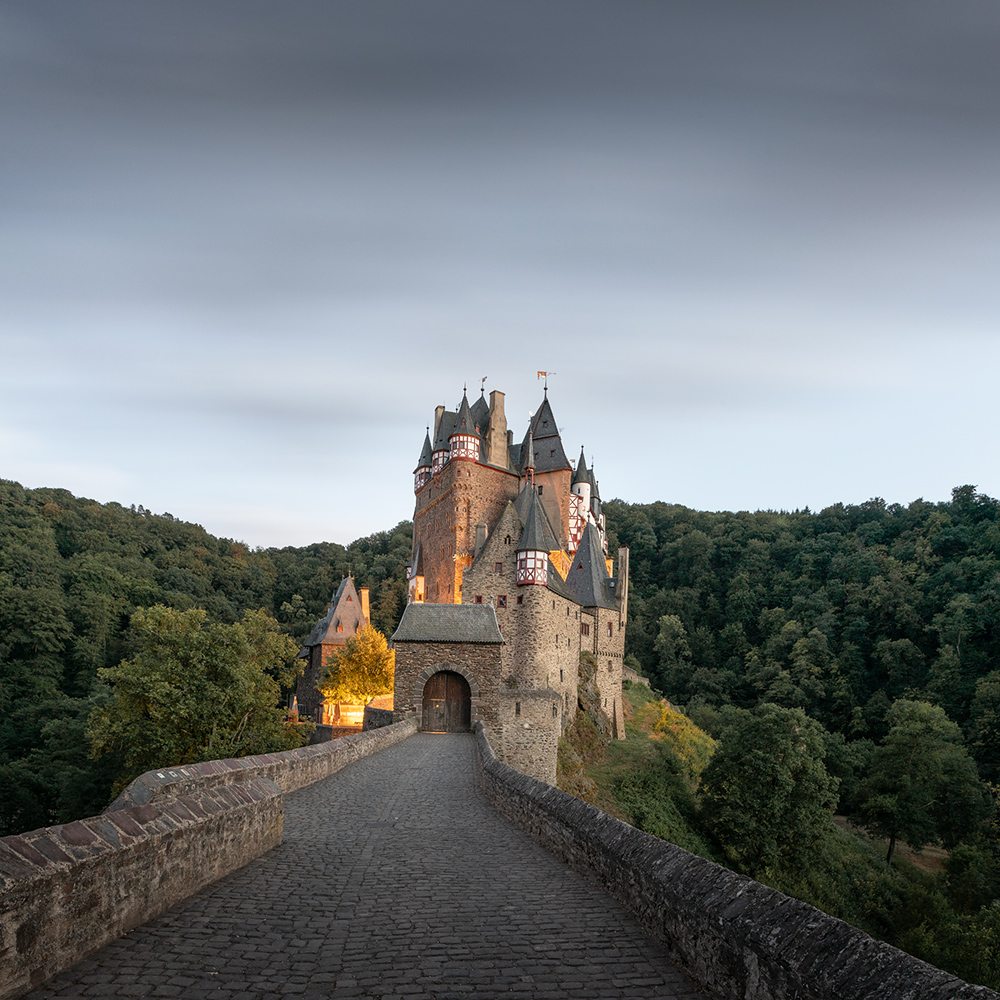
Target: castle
(509, 582)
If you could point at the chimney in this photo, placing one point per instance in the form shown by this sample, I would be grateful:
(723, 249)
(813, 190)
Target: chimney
(365, 609)
(480, 537)
(438, 410)
(496, 436)
(621, 584)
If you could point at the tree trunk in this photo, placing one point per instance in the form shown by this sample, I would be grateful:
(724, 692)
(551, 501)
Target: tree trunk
(892, 847)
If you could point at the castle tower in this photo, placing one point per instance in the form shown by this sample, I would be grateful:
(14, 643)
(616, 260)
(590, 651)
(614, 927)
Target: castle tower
(423, 470)
(532, 550)
(464, 441)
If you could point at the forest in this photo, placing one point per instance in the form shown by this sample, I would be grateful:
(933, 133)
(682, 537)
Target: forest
(822, 640)
(842, 661)
(73, 575)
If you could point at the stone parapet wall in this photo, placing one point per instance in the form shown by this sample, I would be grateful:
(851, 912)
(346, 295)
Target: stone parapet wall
(66, 891)
(737, 938)
(377, 718)
(289, 769)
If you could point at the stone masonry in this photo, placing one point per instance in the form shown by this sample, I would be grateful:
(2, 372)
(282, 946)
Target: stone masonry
(374, 894)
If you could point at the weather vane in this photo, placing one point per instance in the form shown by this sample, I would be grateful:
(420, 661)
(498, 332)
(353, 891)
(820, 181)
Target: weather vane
(544, 375)
(482, 385)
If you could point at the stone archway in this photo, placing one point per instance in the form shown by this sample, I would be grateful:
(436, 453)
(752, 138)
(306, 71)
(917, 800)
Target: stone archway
(446, 703)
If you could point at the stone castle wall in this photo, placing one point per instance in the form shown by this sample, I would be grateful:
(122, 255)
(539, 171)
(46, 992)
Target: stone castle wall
(737, 938)
(481, 666)
(448, 508)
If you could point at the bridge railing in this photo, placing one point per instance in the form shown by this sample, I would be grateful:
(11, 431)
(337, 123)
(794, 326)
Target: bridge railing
(735, 937)
(66, 891)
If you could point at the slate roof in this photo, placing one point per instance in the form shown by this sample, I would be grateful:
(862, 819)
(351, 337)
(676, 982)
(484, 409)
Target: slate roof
(588, 576)
(581, 474)
(322, 628)
(444, 431)
(548, 451)
(526, 501)
(425, 452)
(464, 421)
(473, 623)
(481, 414)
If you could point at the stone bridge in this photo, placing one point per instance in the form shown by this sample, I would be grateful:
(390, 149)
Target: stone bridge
(424, 869)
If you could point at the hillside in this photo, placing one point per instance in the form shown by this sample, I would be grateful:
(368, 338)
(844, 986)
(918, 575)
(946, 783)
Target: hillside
(72, 571)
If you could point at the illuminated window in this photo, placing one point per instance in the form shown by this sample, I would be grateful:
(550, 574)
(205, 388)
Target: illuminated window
(340, 628)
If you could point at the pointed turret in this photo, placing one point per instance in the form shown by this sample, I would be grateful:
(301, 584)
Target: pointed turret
(444, 423)
(588, 576)
(528, 466)
(548, 450)
(464, 440)
(581, 474)
(423, 470)
(532, 549)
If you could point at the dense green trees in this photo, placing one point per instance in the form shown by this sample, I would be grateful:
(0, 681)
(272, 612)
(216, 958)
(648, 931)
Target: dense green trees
(196, 690)
(72, 572)
(838, 613)
(922, 785)
(766, 794)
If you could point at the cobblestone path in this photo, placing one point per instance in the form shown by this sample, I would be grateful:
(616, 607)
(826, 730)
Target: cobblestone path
(396, 879)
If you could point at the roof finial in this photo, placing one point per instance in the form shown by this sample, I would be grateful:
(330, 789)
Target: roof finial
(544, 375)
(482, 385)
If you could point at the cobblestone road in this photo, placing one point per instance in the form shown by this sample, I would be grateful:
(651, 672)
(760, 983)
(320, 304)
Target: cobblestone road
(396, 879)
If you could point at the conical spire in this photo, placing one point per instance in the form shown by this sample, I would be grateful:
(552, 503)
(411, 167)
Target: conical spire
(425, 452)
(581, 474)
(588, 575)
(533, 536)
(464, 422)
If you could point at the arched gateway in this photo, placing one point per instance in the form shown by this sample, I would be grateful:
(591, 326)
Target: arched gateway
(447, 703)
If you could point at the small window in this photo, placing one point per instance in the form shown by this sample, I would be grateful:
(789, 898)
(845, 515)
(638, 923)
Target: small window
(540, 488)
(498, 567)
(478, 598)
(560, 675)
(506, 541)
(611, 630)
(340, 628)
(553, 605)
(584, 629)
(517, 708)
(557, 640)
(349, 601)
(611, 666)
(567, 611)
(520, 599)
(555, 711)
(502, 601)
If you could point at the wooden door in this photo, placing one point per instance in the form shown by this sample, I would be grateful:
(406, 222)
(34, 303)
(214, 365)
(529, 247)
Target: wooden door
(447, 703)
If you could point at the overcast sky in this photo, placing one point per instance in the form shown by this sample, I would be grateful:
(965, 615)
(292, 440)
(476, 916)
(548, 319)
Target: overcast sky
(246, 247)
